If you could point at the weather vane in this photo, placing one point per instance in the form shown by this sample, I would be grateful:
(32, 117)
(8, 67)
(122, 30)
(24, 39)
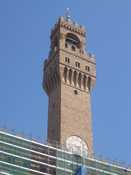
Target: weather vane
(67, 14)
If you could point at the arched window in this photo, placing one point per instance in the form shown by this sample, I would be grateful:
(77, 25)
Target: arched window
(87, 68)
(72, 40)
(77, 64)
(67, 59)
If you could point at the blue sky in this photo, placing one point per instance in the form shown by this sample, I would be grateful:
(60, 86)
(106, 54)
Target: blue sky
(24, 44)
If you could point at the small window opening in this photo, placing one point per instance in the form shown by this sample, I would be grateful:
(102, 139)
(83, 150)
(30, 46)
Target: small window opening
(77, 64)
(87, 68)
(67, 59)
(75, 92)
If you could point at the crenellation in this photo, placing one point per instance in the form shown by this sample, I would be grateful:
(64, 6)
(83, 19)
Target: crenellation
(69, 26)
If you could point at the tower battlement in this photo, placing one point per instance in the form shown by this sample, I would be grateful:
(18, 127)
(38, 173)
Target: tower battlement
(68, 25)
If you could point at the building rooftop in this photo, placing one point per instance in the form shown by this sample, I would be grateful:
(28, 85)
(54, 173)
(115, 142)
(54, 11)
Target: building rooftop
(19, 154)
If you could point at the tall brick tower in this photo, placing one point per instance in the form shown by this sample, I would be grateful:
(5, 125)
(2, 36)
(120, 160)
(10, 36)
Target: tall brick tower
(69, 75)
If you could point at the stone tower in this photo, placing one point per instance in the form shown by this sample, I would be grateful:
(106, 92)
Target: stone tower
(69, 75)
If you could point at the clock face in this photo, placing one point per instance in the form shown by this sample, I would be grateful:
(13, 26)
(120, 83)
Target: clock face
(77, 146)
